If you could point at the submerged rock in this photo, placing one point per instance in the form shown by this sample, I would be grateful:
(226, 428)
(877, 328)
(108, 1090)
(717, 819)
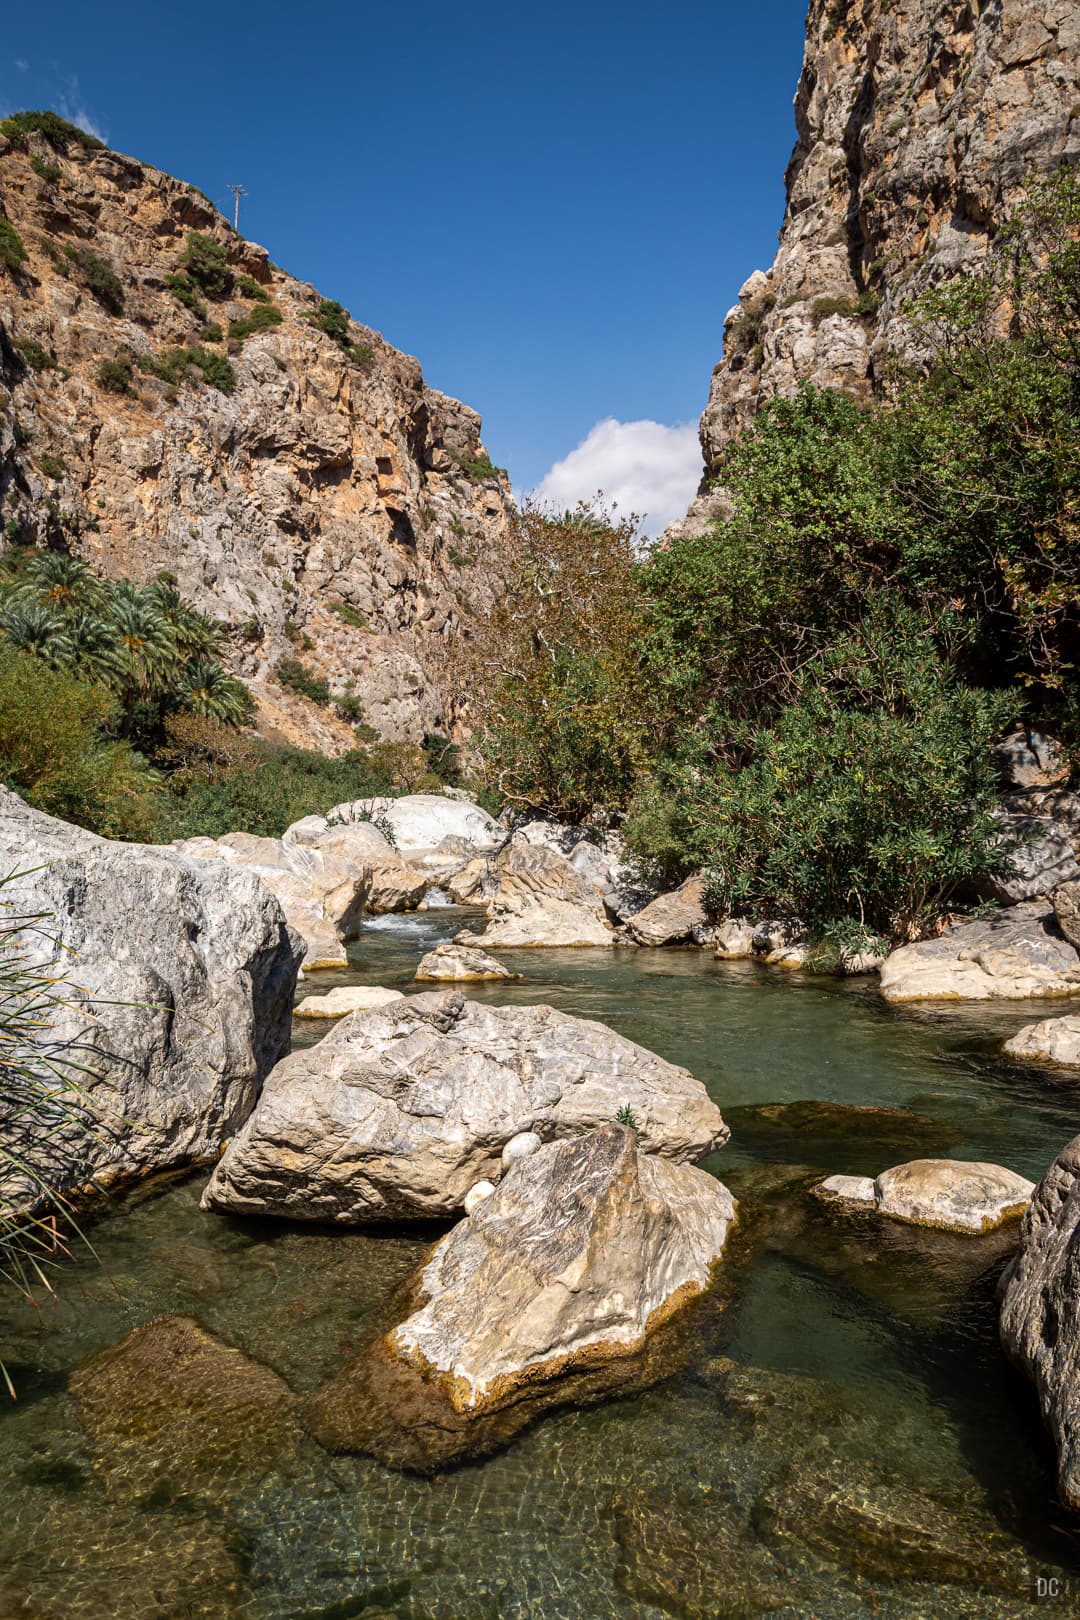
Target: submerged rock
(346, 998)
(459, 963)
(1014, 956)
(953, 1194)
(398, 1112)
(173, 1405)
(182, 978)
(1054, 1040)
(1040, 1310)
(824, 1133)
(583, 1250)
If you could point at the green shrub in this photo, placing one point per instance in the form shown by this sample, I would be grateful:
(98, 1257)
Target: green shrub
(98, 276)
(183, 288)
(205, 262)
(260, 319)
(56, 751)
(116, 376)
(210, 332)
(443, 758)
(480, 468)
(175, 366)
(349, 614)
(12, 252)
(296, 677)
(248, 287)
(56, 130)
(333, 319)
(349, 706)
(36, 357)
(49, 172)
(52, 466)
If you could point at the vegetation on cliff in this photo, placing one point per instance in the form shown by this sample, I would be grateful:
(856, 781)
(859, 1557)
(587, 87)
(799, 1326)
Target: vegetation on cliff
(803, 700)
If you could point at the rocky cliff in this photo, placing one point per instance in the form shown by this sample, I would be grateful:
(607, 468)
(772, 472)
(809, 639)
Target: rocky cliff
(327, 503)
(919, 123)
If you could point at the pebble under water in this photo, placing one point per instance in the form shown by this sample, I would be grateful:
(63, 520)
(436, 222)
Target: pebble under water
(842, 1437)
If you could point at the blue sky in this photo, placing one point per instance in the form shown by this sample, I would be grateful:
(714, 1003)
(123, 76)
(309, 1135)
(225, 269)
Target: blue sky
(552, 206)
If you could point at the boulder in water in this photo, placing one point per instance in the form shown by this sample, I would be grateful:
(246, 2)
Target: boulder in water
(954, 1195)
(460, 964)
(1014, 956)
(398, 1112)
(346, 998)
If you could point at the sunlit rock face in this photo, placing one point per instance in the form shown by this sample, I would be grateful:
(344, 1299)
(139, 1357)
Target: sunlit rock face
(331, 499)
(918, 128)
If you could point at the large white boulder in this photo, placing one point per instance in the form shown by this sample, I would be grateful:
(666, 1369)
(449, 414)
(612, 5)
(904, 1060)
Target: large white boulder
(1016, 955)
(420, 821)
(1040, 1310)
(398, 1112)
(540, 900)
(184, 972)
(346, 998)
(460, 964)
(1053, 1040)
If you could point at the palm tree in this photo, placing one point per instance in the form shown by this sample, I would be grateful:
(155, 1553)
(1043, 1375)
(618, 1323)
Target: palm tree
(207, 690)
(32, 628)
(146, 648)
(196, 635)
(95, 647)
(61, 583)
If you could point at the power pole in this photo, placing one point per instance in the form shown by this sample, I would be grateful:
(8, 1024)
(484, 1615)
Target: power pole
(238, 192)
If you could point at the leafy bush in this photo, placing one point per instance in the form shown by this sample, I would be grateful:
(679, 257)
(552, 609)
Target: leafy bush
(175, 366)
(12, 252)
(210, 332)
(349, 614)
(864, 303)
(183, 288)
(116, 376)
(248, 287)
(52, 466)
(49, 172)
(480, 468)
(296, 677)
(57, 131)
(333, 319)
(205, 262)
(443, 758)
(98, 276)
(55, 748)
(35, 355)
(260, 319)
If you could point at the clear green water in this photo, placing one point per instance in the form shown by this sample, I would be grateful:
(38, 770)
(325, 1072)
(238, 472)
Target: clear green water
(843, 1437)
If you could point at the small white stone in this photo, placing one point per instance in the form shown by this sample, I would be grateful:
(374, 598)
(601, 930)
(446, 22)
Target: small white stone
(849, 1189)
(476, 1195)
(520, 1147)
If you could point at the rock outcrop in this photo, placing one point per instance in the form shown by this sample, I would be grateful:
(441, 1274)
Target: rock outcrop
(540, 900)
(181, 975)
(954, 1195)
(459, 964)
(330, 495)
(346, 998)
(1053, 1040)
(1040, 1310)
(677, 918)
(1014, 956)
(1067, 912)
(397, 1113)
(918, 128)
(1040, 858)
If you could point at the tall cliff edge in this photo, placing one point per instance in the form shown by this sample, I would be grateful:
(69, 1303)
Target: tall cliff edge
(330, 504)
(919, 123)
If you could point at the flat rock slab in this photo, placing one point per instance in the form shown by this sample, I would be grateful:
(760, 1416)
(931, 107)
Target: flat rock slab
(1014, 956)
(1040, 1310)
(346, 998)
(460, 964)
(398, 1112)
(954, 1195)
(585, 1249)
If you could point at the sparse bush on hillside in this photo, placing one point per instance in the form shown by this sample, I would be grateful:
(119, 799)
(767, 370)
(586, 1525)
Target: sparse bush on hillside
(49, 172)
(248, 287)
(480, 468)
(205, 262)
(97, 276)
(35, 356)
(864, 303)
(260, 319)
(332, 319)
(175, 366)
(12, 252)
(52, 466)
(297, 677)
(116, 376)
(57, 131)
(187, 292)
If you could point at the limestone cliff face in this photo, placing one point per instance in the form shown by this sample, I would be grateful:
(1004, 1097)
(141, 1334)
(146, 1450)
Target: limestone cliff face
(918, 123)
(322, 507)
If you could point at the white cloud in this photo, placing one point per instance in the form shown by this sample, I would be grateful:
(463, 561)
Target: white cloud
(22, 64)
(641, 467)
(70, 106)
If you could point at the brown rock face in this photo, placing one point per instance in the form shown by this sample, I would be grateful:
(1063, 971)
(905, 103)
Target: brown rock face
(918, 127)
(325, 496)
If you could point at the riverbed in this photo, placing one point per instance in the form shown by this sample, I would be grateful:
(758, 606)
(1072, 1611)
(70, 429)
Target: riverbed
(841, 1435)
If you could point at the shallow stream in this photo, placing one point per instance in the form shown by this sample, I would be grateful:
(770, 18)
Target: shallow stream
(842, 1436)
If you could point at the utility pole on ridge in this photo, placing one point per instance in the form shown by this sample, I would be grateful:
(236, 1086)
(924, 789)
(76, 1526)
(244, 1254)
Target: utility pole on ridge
(238, 192)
